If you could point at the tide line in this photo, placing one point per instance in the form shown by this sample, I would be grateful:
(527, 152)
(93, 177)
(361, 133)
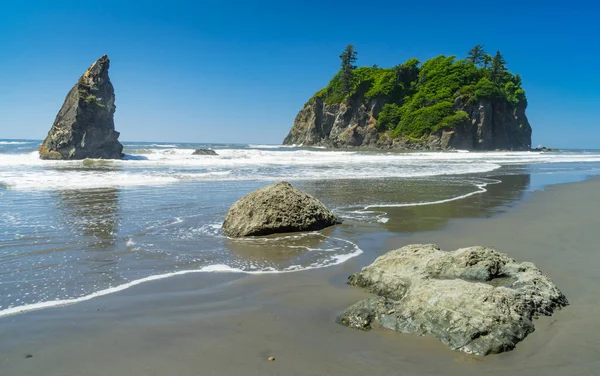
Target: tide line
(480, 189)
(217, 268)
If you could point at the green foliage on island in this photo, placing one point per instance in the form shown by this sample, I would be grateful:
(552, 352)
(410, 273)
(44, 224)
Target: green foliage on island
(421, 97)
(348, 58)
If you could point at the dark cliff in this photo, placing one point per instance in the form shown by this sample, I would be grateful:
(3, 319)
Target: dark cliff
(84, 126)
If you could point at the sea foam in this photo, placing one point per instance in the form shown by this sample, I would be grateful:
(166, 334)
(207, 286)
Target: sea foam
(335, 259)
(481, 188)
(161, 165)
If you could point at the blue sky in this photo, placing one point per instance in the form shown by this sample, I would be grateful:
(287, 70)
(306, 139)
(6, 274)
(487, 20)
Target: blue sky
(232, 71)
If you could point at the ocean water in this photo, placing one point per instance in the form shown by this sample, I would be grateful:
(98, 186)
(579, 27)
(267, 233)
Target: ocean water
(74, 230)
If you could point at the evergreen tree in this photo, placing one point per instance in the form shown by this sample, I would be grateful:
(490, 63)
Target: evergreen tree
(399, 72)
(408, 71)
(498, 68)
(477, 55)
(518, 80)
(403, 73)
(348, 58)
(487, 59)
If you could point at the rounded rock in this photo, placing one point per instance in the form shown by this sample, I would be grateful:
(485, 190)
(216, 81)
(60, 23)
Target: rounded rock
(277, 208)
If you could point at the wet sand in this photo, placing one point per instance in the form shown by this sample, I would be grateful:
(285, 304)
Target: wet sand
(228, 324)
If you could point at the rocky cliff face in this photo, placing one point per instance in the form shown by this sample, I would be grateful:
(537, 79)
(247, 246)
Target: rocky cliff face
(493, 124)
(336, 125)
(84, 126)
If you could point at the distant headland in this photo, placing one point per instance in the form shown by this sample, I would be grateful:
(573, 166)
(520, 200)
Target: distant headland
(441, 104)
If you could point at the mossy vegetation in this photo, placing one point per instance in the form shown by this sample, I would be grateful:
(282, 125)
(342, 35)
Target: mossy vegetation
(85, 93)
(89, 99)
(421, 97)
(81, 82)
(93, 100)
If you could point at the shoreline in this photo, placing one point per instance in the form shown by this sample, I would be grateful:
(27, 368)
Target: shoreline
(480, 188)
(394, 149)
(230, 323)
(213, 269)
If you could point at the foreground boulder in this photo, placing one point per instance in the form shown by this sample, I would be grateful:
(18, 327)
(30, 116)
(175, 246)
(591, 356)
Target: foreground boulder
(84, 126)
(274, 209)
(204, 152)
(474, 299)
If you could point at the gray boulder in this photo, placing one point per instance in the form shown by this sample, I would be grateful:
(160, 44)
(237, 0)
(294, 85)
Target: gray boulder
(473, 299)
(274, 209)
(84, 126)
(204, 152)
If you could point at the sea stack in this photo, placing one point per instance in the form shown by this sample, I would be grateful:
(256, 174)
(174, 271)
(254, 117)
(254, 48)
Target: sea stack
(442, 104)
(84, 126)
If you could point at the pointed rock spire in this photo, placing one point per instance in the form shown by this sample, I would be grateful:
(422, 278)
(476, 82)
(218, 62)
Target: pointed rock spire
(84, 126)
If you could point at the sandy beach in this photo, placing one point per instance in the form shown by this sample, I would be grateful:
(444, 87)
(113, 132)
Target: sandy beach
(230, 324)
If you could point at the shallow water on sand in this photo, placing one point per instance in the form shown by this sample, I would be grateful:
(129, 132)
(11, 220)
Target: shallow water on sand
(71, 231)
(229, 324)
